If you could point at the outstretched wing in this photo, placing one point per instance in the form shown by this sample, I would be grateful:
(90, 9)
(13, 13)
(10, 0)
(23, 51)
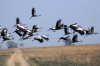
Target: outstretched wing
(92, 29)
(66, 30)
(33, 11)
(75, 38)
(58, 23)
(18, 32)
(17, 20)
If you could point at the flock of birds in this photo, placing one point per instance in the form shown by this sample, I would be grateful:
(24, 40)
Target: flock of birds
(24, 33)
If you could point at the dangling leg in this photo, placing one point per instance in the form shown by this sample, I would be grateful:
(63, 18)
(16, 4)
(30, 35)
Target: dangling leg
(31, 17)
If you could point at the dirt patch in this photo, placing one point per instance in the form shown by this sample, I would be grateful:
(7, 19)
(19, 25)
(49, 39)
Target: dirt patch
(17, 57)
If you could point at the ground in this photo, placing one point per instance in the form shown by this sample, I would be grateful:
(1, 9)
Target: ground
(87, 55)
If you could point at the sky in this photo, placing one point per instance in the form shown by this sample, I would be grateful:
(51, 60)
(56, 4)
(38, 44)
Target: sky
(85, 12)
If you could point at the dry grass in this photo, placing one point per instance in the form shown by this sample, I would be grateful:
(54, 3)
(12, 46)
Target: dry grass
(78, 55)
(60, 56)
(70, 51)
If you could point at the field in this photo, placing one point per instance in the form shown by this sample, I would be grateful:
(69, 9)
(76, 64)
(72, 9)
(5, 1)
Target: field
(87, 55)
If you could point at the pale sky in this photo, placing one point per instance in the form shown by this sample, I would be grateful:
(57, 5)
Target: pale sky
(85, 12)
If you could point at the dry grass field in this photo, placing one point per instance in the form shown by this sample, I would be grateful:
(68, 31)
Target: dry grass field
(88, 55)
